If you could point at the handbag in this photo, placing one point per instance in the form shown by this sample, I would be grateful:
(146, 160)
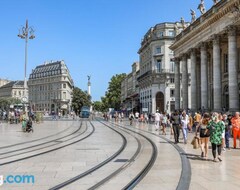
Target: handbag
(195, 142)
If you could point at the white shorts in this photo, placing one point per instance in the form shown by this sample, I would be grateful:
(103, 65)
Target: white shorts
(223, 135)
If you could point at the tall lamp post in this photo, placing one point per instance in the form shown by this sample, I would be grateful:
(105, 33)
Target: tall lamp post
(26, 33)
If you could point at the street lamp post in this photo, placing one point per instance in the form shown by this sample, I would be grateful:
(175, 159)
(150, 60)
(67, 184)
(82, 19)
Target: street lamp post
(26, 33)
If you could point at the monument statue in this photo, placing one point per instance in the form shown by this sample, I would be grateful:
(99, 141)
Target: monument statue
(89, 77)
(193, 15)
(201, 7)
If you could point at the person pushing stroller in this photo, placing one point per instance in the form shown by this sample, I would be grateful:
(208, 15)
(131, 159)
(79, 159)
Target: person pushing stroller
(29, 126)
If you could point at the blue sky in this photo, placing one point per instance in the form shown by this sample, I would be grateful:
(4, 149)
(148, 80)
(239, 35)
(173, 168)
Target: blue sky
(94, 37)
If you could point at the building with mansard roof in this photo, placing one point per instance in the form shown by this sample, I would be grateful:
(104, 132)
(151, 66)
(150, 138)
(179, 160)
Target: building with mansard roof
(50, 88)
(212, 44)
(156, 77)
(13, 89)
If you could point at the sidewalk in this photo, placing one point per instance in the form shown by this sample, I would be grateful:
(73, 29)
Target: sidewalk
(206, 174)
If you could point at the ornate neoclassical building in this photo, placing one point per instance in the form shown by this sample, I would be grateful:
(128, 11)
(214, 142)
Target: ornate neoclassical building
(212, 43)
(156, 77)
(50, 87)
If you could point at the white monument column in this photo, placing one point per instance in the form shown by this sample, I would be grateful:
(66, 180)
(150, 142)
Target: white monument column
(233, 70)
(204, 73)
(177, 83)
(193, 80)
(185, 82)
(217, 86)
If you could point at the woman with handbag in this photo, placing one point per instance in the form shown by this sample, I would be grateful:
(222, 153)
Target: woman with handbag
(204, 134)
(216, 128)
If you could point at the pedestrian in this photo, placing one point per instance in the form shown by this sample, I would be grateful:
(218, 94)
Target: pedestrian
(204, 134)
(197, 119)
(216, 128)
(164, 123)
(184, 124)
(175, 119)
(146, 117)
(227, 131)
(235, 128)
(157, 120)
(131, 118)
(190, 123)
(136, 115)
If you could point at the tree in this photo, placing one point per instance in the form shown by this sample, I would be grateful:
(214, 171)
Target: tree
(80, 99)
(6, 102)
(98, 106)
(113, 95)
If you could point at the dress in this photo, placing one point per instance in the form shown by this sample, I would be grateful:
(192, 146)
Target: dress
(216, 132)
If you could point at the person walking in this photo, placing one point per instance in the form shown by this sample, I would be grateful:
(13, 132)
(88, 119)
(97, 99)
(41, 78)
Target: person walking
(157, 120)
(227, 131)
(175, 119)
(235, 128)
(190, 124)
(184, 124)
(131, 117)
(216, 128)
(204, 136)
(164, 123)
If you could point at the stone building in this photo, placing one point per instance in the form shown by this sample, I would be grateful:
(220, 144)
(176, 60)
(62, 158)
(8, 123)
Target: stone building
(50, 86)
(4, 81)
(212, 44)
(156, 78)
(130, 90)
(13, 89)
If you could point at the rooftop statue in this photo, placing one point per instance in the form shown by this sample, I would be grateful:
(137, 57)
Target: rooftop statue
(193, 15)
(183, 23)
(215, 2)
(201, 7)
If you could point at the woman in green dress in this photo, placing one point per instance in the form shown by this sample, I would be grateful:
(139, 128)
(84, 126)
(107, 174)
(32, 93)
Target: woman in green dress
(216, 128)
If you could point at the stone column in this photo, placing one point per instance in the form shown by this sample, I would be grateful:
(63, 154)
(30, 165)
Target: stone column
(233, 70)
(177, 84)
(204, 82)
(185, 82)
(193, 80)
(217, 85)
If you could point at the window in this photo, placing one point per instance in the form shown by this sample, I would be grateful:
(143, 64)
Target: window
(64, 85)
(225, 66)
(171, 33)
(161, 34)
(158, 66)
(64, 95)
(172, 64)
(172, 80)
(158, 50)
(171, 92)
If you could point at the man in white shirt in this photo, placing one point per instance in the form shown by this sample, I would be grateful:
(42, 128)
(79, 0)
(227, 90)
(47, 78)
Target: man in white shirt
(157, 120)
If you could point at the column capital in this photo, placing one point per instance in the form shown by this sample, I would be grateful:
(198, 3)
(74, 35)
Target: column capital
(215, 39)
(203, 45)
(232, 31)
(193, 50)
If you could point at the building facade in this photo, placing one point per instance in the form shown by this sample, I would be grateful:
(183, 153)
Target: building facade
(212, 44)
(50, 88)
(4, 81)
(156, 78)
(13, 89)
(130, 90)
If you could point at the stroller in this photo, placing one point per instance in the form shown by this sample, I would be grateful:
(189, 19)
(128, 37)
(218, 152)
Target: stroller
(29, 127)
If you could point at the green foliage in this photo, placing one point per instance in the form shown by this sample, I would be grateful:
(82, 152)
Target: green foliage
(98, 106)
(113, 95)
(6, 102)
(79, 99)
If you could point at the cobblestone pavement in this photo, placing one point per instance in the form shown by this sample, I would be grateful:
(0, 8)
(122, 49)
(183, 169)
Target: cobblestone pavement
(58, 166)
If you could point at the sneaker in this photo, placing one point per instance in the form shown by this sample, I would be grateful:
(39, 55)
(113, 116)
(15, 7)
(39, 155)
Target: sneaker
(215, 160)
(219, 158)
(224, 149)
(202, 154)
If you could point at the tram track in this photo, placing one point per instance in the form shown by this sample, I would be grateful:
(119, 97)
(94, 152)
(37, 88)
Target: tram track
(101, 164)
(51, 150)
(135, 180)
(185, 178)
